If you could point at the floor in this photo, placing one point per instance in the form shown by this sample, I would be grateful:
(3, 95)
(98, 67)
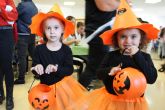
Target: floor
(155, 94)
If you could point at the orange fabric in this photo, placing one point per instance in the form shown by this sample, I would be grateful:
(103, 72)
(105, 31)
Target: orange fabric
(37, 21)
(100, 99)
(125, 18)
(67, 92)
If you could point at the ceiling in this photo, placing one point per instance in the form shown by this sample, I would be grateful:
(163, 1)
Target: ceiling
(79, 4)
(148, 11)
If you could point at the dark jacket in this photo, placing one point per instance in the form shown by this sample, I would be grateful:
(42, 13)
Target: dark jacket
(26, 10)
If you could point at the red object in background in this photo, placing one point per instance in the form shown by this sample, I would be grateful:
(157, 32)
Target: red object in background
(15, 32)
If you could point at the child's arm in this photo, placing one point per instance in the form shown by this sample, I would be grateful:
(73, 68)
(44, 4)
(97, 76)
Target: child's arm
(67, 68)
(146, 65)
(114, 70)
(36, 64)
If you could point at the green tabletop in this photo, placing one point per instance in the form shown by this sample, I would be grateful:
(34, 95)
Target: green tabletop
(80, 49)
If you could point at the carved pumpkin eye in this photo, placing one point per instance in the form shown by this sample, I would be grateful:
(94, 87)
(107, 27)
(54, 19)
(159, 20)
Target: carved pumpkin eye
(41, 97)
(129, 83)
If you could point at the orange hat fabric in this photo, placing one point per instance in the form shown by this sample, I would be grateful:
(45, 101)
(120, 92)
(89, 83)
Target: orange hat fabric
(125, 18)
(37, 22)
(57, 9)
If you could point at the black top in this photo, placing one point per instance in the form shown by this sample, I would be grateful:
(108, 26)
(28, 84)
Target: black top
(62, 57)
(94, 18)
(141, 61)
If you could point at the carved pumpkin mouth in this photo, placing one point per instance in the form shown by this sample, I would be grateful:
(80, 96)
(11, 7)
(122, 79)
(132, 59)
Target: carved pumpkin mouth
(45, 108)
(37, 108)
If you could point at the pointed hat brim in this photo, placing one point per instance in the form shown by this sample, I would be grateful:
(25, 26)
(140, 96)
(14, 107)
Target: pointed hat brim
(37, 23)
(124, 19)
(151, 33)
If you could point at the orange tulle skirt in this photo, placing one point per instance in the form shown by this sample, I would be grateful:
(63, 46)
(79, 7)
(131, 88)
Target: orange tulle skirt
(67, 92)
(100, 99)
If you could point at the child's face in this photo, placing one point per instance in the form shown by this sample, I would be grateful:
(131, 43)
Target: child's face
(53, 29)
(81, 30)
(128, 37)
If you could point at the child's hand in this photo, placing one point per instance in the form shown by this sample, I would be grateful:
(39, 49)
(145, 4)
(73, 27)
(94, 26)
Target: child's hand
(131, 50)
(51, 68)
(114, 70)
(77, 41)
(39, 69)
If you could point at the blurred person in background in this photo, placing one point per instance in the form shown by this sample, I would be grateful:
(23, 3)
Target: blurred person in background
(8, 14)
(26, 41)
(97, 13)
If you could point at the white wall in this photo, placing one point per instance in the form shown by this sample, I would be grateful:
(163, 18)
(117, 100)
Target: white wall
(78, 13)
(152, 18)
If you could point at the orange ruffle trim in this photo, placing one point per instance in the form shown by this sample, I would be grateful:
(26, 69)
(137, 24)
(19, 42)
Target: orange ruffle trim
(100, 99)
(67, 92)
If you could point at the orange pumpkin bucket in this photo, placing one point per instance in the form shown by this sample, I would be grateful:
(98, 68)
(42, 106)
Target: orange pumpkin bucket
(42, 97)
(129, 83)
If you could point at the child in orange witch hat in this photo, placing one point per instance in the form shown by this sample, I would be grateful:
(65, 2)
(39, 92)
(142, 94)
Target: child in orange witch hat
(128, 35)
(53, 60)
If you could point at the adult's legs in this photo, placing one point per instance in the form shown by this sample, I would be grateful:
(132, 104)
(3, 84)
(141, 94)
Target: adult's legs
(96, 54)
(6, 47)
(22, 49)
(2, 96)
(31, 45)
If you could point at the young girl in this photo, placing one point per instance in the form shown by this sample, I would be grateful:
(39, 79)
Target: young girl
(53, 60)
(129, 38)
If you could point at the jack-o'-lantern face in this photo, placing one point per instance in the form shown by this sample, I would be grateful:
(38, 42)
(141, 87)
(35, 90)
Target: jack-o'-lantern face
(122, 83)
(42, 97)
(40, 104)
(129, 83)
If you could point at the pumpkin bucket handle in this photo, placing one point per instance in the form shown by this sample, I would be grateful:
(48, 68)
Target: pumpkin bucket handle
(122, 57)
(35, 73)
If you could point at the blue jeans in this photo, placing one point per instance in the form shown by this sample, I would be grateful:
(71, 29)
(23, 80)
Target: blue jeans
(25, 46)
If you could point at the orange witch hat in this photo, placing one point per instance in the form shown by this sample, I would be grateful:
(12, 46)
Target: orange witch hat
(57, 9)
(125, 18)
(37, 21)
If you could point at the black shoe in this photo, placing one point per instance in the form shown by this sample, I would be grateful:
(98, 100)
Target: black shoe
(19, 81)
(161, 69)
(2, 98)
(9, 103)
